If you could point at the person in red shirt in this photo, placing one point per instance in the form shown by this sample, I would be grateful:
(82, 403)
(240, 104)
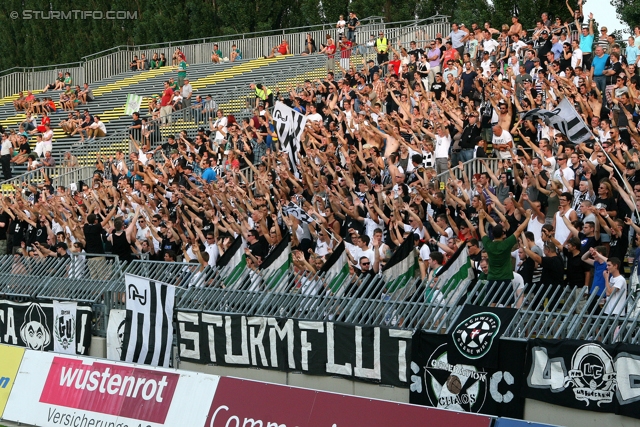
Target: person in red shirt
(345, 52)
(165, 103)
(280, 50)
(330, 50)
(45, 120)
(394, 64)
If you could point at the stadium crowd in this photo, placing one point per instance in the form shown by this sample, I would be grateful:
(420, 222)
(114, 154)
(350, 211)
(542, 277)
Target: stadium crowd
(381, 161)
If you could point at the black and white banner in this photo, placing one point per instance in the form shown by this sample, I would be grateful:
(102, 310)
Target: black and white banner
(476, 335)
(46, 326)
(115, 333)
(470, 387)
(373, 354)
(565, 119)
(289, 127)
(148, 335)
(64, 326)
(585, 375)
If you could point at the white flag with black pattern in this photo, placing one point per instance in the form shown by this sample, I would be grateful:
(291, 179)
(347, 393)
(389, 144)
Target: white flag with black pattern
(149, 323)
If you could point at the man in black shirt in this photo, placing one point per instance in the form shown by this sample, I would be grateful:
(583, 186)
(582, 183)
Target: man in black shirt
(258, 244)
(471, 130)
(438, 87)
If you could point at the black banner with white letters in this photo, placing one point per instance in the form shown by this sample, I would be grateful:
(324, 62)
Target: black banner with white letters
(34, 325)
(469, 387)
(585, 375)
(476, 336)
(364, 353)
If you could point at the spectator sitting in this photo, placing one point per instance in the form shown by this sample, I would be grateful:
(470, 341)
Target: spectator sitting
(57, 85)
(310, 46)
(48, 161)
(163, 61)
(178, 55)
(216, 54)
(143, 63)
(155, 62)
(235, 54)
(86, 94)
(280, 50)
(18, 103)
(97, 129)
(133, 65)
(32, 162)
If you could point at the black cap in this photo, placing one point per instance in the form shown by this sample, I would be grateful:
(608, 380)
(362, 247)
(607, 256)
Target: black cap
(631, 165)
(201, 129)
(62, 245)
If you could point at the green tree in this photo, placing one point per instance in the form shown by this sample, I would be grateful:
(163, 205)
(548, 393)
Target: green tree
(628, 11)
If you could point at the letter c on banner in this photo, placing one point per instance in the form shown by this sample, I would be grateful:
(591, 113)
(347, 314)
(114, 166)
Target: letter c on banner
(493, 386)
(213, 419)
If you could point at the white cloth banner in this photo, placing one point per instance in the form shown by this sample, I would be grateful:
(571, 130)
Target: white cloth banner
(133, 104)
(64, 327)
(149, 324)
(115, 333)
(289, 127)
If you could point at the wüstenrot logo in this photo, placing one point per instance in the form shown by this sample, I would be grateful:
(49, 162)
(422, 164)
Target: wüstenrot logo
(474, 336)
(106, 388)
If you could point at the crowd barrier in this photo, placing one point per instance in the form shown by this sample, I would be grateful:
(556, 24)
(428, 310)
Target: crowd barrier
(116, 60)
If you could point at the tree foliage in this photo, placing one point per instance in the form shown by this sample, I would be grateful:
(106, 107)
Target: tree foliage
(628, 11)
(34, 42)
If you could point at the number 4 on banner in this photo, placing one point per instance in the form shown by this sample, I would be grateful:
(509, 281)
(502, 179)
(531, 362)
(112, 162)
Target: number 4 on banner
(546, 373)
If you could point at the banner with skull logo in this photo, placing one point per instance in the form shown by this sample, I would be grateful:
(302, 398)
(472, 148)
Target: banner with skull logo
(46, 326)
(470, 387)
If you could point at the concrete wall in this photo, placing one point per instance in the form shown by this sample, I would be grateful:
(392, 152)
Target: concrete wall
(534, 410)
(559, 415)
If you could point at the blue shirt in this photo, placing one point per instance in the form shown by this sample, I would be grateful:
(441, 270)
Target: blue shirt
(557, 50)
(586, 42)
(209, 175)
(598, 278)
(632, 54)
(598, 64)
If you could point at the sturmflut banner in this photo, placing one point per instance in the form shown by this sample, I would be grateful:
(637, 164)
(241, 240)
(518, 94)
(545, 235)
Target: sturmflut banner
(372, 354)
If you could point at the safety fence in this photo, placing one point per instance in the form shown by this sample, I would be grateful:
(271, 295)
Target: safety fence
(542, 311)
(114, 61)
(64, 176)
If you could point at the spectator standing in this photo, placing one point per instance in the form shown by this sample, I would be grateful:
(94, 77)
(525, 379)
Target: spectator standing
(165, 104)
(182, 72)
(341, 25)
(352, 24)
(5, 158)
(382, 48)
(499, 249)
(457, 36)
(586, 41)
(187, 92)
(345, 52)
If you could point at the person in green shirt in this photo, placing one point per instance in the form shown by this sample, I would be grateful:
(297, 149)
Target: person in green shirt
(216, 54)
(67, 79)
(499, 250)
(235, 54)
(182, 73)
(155, 62)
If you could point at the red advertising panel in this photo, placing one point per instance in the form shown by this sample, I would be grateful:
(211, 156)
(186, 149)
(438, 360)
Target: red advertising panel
(107, 388)
(243, 402)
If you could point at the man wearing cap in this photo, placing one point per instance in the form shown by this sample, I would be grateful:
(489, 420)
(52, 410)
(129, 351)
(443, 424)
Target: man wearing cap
(586, 41)
(186, 91)
(382, 48)
(544, 44)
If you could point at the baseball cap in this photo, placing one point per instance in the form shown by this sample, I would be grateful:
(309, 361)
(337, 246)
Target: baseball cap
(631, 165)
(201, 129)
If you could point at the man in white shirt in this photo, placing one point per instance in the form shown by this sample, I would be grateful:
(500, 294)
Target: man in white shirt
(502, 142)
(486, 64)
(186, 91)
(489, 44)
(219, 126)
(576, 55)
(564, 171)
(615, 288)
(517, 44)
(97, 129)
(443, 142)
(312, 113)
(5, 156)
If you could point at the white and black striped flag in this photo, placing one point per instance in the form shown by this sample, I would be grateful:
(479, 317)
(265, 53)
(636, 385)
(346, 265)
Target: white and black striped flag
(564, 119)
(294, 210)
(148, 334)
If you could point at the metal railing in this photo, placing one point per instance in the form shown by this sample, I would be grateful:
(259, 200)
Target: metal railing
(470, 168)
(58, 176)
(558, 312)
(116, 60)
